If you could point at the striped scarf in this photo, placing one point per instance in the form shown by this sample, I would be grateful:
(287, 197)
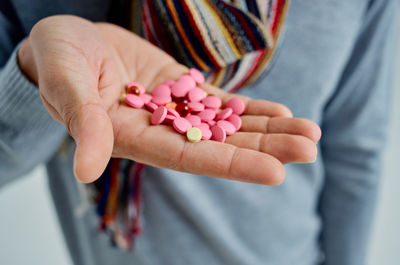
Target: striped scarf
(230, 41)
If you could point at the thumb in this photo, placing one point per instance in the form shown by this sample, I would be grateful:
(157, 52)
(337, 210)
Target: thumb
(67, 54)
(92, 130)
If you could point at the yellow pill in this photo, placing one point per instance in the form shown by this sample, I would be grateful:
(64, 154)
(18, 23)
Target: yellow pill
(193, 134)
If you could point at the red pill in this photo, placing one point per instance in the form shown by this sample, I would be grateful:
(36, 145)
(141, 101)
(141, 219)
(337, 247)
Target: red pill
(182, 108)
(132, 86)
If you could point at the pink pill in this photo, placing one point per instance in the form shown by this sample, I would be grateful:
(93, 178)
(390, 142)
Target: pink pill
(173, 112)
(194, 120)
(196, 75)
(179, 89)
(151, 106)
(207, 115)
(205, 131)
(132, 84)
(196, 106)
(212, 102)
(236, 121)
(229, 128)
(158, 115)
(161, 91)
(169, 82)
(181, 125)
(224, 114)
(134, 101)
(218, 133)
(161, 100)
(196, 94)
(211, 123)
(145, 97)
(236, 104)
(169, 118)
(188, 80)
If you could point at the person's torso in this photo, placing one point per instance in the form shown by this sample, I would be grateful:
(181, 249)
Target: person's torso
(191, 219)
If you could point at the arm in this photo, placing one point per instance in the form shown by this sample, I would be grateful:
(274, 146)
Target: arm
(81, 69)
(28, 134)
(354, 134)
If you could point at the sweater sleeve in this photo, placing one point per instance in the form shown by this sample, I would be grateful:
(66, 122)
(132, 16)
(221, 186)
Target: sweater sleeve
(354, 135)
(28, 134)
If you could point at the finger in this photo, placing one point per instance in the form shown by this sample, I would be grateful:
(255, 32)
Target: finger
(161, 146)
(68, 82)
(298, 126)
(285, 147)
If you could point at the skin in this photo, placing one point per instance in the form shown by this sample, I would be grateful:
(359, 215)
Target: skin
(81, 69)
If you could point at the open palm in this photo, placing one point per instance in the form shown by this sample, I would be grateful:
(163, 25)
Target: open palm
(82, 68)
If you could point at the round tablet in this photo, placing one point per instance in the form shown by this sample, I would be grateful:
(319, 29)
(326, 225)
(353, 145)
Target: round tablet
(181, 125)
(236, 104)
(196, 94)
(218, 133)
(196, 106)
(173, 112)
(196, 75)
(161, 100)
(205, 131)
(134, 101)
(179, 89)
(135, 84)
(158, 115)
(211, 122)
(207, 115)
(169, 118)
(212, 102)
(161, 91)
(188, 81)
(236, 121)
(194, 135)
(229, 128)
(151, 106)
(224, 114)
(194, 120)
(169, 82)
(145, 97)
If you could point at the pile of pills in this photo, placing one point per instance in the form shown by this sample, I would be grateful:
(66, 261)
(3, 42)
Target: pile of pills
(188, 108)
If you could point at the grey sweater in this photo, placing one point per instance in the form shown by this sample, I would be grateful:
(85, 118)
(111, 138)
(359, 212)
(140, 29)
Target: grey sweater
(333, 66)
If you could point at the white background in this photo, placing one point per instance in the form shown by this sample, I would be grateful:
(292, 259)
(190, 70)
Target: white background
(30, 233)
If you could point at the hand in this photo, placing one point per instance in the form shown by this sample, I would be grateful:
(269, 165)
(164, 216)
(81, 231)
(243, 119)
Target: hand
(81, 69)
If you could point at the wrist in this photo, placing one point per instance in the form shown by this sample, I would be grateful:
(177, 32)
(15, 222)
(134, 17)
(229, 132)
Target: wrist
(26, 61)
